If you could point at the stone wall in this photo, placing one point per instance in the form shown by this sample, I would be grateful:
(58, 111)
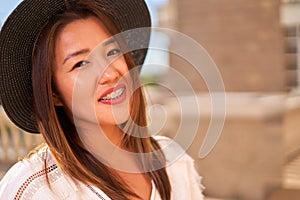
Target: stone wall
(247, 160)
(244, 38)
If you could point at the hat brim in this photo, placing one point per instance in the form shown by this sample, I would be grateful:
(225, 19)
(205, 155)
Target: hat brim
(17, 38)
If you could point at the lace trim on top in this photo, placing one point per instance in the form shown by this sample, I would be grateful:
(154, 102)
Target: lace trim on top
(33, 183)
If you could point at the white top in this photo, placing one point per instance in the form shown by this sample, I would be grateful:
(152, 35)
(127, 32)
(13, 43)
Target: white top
(26, 179)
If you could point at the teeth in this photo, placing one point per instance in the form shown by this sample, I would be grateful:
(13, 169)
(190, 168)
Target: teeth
(114, 95)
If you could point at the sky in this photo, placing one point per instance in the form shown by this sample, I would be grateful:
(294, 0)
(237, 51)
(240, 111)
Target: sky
(6, 6)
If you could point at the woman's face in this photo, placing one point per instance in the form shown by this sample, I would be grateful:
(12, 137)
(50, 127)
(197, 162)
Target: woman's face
(90, 74)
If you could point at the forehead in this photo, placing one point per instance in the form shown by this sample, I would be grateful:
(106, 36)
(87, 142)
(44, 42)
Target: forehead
(80, 34)
(83, 30)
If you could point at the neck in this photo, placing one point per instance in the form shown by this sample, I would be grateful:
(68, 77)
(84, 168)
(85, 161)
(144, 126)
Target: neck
(113, 133)
(105, 143)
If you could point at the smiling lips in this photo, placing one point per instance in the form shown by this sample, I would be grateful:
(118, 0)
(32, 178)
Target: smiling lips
(114, 95)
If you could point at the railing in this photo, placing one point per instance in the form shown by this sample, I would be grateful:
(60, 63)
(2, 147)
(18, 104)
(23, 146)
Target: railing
(14, 143)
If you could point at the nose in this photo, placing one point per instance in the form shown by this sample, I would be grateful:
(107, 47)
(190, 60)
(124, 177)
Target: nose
(110, 74)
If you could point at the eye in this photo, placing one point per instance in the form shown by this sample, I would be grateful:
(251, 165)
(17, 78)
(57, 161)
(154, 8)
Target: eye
(113, 52)
(80, 64)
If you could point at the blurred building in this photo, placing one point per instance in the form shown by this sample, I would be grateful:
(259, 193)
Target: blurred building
(244, 38)
(255, 45)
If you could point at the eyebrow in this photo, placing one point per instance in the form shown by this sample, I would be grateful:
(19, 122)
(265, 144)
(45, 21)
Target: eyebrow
(107, 42)
(75, 54)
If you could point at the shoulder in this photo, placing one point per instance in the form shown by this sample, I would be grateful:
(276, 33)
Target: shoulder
(172, 150)
(22, 174)
(176, 157)
(13, 179)
(39, 177)
(184, 178)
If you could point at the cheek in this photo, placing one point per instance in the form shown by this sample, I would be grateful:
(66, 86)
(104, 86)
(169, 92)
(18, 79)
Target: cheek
(64, 86)
(77, 94)
(122, 66)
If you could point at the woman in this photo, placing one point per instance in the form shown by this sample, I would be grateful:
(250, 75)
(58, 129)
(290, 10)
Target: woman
(63, 75)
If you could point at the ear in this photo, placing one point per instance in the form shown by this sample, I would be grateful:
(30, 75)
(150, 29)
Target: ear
(56, 99)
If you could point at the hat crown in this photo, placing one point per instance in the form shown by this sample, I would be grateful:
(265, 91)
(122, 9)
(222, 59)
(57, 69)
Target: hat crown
(18, 36)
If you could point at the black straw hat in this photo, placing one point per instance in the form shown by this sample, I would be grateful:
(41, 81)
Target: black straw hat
(19, 33)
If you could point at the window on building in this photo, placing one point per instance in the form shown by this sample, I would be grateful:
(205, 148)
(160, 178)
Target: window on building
(290, 19)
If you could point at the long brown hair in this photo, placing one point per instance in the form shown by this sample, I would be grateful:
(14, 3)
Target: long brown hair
(59, 132)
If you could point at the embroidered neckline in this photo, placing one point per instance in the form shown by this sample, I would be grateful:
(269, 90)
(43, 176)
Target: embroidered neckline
(153, 191)
(97, 193)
